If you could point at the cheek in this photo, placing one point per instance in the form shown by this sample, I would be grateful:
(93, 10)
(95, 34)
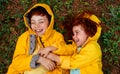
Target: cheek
(46, 26)
(79, 37)
(84, 38)
(32, 27)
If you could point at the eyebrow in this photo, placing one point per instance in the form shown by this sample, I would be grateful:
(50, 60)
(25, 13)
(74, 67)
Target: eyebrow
(77, 31)
(38, 20)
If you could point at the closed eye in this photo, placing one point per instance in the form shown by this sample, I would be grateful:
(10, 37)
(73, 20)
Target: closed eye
(41, 21)
(33, 23)
(77, 32)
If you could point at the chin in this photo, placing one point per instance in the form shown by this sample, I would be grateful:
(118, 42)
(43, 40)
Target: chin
(38, 34)
(78, 45)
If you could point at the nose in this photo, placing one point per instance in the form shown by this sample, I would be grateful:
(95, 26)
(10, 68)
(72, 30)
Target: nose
(73, 36)
(36, 25)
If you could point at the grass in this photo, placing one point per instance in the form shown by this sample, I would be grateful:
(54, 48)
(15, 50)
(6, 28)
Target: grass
(109, 40)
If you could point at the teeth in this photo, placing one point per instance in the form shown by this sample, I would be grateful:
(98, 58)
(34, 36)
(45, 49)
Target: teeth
(39, 30)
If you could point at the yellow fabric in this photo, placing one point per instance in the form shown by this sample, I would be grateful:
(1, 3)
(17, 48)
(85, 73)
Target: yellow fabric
(40, 70)
(21, 59)
(88, 60)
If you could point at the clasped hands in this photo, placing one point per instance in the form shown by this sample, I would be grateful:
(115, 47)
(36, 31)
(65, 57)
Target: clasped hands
(46, 57)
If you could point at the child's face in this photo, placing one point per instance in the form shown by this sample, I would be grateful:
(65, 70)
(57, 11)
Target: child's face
(79, 35)
(39, 24)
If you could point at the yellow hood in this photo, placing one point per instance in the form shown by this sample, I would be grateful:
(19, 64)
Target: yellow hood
(88, 60)
(49, 29)
(99, 28)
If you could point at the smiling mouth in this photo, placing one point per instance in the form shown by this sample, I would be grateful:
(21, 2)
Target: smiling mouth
(38, 31)
(76, 41)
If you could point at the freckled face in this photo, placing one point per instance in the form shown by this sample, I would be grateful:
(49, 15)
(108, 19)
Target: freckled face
(79, 35)
(39, 24)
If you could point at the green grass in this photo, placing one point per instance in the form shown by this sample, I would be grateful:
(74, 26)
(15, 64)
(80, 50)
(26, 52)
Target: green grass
(109, 40)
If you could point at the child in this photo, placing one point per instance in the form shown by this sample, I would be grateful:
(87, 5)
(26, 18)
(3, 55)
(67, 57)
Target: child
(87, 59)
(40, 34)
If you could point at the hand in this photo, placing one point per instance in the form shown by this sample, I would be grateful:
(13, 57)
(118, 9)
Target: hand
(54, 57)
(48, 64)
(45, 51)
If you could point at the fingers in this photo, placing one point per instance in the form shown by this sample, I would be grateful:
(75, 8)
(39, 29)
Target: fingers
(45, 55)
(48, 64)
(43, 52)
(51, 66)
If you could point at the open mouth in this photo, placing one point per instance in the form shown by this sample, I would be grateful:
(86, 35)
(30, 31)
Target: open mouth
(38, 31)
(77, 41)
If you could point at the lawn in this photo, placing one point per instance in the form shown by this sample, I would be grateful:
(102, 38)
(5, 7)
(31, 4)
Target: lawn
(12, 26)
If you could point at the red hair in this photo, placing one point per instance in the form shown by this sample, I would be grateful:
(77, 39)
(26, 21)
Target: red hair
(90, 27)
(38, 11)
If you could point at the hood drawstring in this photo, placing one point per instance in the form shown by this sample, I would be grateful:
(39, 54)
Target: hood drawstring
(41, 42)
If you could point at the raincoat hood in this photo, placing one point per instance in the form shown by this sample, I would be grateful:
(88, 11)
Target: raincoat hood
(50, 27)
(99, 28)
(87, 59)
(29, 44)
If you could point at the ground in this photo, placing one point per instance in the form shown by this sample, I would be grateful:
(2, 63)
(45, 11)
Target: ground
(98, 6)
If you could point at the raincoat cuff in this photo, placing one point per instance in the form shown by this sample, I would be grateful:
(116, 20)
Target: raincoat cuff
(55, 45)
(33, 63)
(65, 62)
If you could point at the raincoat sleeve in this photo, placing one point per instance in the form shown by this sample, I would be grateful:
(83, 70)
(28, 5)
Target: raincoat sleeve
(87, 56)
(63, 48)
(21, 60)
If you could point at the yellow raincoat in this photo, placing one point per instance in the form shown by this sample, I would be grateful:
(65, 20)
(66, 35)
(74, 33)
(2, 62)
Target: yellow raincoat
(88, 59)
(23, 54)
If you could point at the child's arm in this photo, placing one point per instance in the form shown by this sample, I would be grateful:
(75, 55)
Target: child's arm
(21, 55)
(45, 51)
(63, 48)
(54, 57)
(47, 63)
(89, 54)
